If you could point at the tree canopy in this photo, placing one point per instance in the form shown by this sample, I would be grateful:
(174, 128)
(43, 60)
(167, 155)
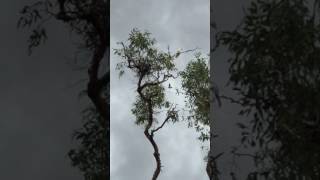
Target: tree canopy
(152, 69)
(275, 71)
(195, 83)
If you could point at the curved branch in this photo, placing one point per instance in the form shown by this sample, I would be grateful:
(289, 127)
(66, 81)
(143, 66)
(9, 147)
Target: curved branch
(149, 136)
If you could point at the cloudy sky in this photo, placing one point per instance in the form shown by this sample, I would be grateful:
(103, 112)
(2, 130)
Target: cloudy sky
(180, 24)
(39, 105)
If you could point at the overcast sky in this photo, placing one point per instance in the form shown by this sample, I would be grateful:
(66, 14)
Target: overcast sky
(180, 24)
(39, 107)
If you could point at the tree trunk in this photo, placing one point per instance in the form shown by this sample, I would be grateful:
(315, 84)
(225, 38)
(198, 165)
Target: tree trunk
(96, 84)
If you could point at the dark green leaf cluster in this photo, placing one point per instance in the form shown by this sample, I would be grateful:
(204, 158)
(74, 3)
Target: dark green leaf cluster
(195, 83)
(84, 17)
(143, 57)
(31, 15)
(91, 154)
(152, 67)
(140, 108)
(275, 68)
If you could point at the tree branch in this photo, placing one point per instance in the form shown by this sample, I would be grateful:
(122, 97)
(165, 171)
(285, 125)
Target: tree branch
(165, 121)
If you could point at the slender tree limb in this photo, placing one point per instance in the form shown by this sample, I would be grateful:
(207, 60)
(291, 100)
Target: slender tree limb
(164, 122)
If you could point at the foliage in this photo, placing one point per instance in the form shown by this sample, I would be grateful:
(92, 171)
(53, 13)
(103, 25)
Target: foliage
(195, 83)
(140, 106)
(90, 154)
(143, 57)
(152, 68)
(89, 19)
(82, 16)
(275, 70)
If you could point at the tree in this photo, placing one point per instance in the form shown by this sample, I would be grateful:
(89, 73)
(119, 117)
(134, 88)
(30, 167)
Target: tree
(196, 84)
(275, 70)
(89, 19)
(203, 96)
(152, 68)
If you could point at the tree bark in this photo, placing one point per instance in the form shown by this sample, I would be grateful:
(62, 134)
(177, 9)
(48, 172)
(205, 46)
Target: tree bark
(147, 133)
(96, 84)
